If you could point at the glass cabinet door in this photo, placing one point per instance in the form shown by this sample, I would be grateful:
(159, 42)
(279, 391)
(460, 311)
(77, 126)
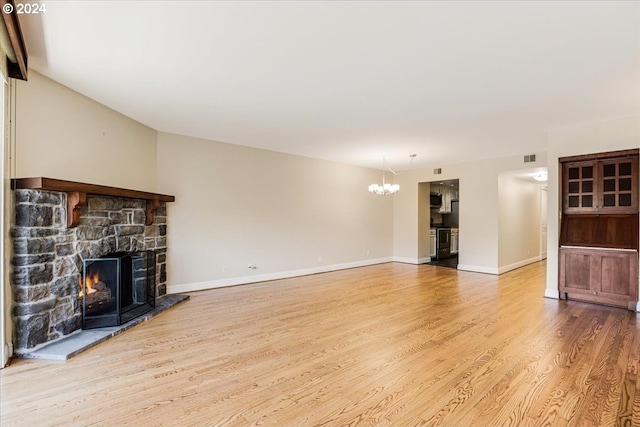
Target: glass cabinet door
(580, 181)
(618, 178)
(603, 186)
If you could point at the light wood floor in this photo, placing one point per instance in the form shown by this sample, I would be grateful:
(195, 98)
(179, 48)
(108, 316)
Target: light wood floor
(387, 345)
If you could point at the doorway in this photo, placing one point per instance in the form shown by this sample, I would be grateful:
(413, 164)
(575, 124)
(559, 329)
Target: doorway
(543, 223)
(444, 223)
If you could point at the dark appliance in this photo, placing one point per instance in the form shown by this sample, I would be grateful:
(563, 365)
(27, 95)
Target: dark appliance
(435, 200)
(454, 216)
(117, 288)
(443, 242)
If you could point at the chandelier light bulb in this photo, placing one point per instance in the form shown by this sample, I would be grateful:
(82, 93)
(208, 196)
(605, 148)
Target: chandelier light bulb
(384, 189)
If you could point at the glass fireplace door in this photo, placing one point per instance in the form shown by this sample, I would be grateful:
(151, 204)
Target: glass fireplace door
(117, 288)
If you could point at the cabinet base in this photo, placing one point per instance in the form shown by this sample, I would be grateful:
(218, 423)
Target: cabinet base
(626, 304)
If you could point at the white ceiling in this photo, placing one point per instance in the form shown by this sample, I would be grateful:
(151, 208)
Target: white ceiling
(350, 81)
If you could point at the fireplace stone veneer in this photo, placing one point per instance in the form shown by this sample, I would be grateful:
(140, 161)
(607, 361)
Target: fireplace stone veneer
(48, 256)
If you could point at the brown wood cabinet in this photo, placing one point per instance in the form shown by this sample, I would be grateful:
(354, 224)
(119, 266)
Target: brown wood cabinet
(596, 275)
(599, 228)
(615, 231)
(602, 186)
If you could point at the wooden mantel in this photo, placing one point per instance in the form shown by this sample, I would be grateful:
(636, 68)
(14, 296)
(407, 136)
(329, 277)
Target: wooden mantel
(77, 195)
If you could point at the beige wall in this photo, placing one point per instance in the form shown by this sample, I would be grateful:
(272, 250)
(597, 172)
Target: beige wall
(610, 135)
(518, 221)
(424, 220)
(237, 206)
(478, 220)
(405, 218)
(62, 134)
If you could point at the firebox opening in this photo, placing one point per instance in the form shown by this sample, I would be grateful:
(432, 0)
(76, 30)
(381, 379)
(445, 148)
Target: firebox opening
(117, 287)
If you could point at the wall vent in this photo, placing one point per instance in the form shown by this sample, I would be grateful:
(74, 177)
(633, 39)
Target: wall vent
(530, 158)
(437, 171)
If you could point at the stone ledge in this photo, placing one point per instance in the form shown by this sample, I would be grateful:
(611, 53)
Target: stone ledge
(85, 339)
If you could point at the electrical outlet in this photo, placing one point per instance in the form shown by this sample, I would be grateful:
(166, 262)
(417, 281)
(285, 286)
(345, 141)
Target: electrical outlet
(225, 268)
(320, 258)
(368, 253)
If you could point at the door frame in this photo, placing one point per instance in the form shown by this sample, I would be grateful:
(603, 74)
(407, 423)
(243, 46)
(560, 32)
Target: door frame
(5, 156)
(543, 222)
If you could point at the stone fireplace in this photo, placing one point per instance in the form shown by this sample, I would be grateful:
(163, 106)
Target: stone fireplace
(58, 226)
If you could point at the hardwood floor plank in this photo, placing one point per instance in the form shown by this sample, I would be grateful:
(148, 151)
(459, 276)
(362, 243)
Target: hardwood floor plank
(386, 345)
(624, 413)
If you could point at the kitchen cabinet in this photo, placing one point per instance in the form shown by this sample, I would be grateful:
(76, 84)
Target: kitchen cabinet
(603, 276)
(454, 240)
(607, 185)
(432, 243)
(446, 201)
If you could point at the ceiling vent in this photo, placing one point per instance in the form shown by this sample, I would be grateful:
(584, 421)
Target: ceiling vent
(530, 158)
(437, 171)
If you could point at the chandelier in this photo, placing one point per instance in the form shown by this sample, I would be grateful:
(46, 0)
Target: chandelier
(383, 189)
(541, 176)
(386, 188)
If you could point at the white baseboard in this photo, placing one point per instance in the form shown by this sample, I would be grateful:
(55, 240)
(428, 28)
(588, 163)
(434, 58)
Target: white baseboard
(551, 293)
(243, 280)
(518, 264)
(478, 269)
(638, 306)
(411, 260)
(405, 260)
(499, 270)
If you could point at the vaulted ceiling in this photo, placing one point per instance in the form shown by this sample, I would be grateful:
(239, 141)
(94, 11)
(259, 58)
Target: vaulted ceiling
(350, 81)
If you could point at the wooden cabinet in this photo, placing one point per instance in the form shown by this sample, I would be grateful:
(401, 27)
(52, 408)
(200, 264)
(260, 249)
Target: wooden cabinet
(613, 231)
(432, 243)
(596, 275)
(607, 185)
(599, 228)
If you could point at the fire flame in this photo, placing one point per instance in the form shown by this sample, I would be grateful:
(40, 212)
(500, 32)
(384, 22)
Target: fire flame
(90, 280)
